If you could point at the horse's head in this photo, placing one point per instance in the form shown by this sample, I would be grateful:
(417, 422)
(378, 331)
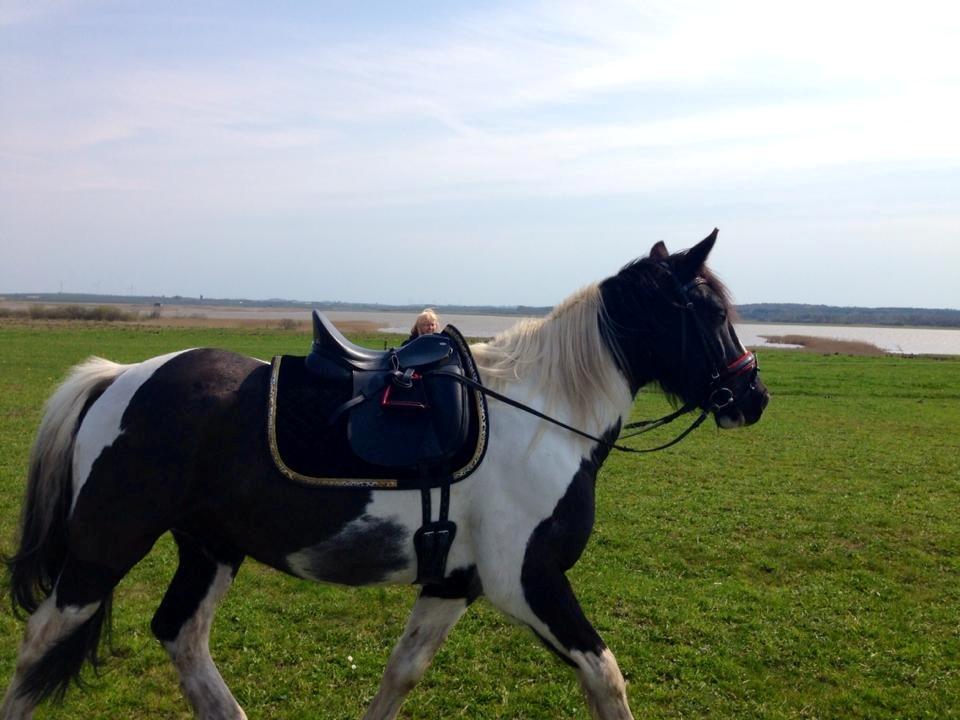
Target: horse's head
(668, 319)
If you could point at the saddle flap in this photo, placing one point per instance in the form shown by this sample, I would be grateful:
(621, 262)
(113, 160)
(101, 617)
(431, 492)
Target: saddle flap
(426, 424)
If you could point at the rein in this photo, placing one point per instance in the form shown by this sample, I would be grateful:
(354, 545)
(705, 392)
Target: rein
(646, 425)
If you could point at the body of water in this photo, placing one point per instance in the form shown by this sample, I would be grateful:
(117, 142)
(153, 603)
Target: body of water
(907, 340)
(903, 340)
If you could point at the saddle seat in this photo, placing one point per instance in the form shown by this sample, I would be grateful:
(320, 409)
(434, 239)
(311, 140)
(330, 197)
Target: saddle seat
(332, 353)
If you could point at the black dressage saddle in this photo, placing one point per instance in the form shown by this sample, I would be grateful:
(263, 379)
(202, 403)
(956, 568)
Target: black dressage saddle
(348, 416)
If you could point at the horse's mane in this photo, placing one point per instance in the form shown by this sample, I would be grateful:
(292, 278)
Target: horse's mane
(563, 354)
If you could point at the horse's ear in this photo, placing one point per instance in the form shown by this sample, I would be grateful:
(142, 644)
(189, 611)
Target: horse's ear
(696, 257)
(659, 251)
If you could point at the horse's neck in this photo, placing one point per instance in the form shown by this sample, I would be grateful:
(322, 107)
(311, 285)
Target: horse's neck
(557, 403)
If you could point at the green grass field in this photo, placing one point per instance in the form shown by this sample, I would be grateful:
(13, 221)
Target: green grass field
(806, 567)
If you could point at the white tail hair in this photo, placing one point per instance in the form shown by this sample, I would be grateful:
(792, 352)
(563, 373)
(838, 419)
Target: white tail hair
(42, 546)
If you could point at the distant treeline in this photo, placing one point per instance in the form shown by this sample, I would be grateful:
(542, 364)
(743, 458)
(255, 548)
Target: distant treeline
(754, 312)
(830, 315)
(152, 300)
(95, 313)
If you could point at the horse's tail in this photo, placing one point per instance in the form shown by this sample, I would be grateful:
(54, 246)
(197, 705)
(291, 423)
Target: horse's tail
(42, 550)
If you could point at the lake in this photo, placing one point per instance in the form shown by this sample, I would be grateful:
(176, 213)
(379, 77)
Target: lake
(907, 340)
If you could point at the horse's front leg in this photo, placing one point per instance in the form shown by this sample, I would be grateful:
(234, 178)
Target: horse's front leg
(550, 608)
(436, 611)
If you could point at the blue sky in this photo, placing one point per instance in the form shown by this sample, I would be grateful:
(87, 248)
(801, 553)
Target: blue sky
(479, 153)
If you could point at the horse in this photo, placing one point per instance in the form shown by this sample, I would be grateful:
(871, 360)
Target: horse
(176, 443)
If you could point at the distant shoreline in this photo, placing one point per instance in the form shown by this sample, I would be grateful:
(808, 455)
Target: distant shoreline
(758, 313)
(829, 339)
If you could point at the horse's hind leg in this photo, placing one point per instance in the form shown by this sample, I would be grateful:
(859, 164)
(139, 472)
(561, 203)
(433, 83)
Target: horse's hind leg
(61, 634)
(436, 611)
(48, 627)
(182, 623)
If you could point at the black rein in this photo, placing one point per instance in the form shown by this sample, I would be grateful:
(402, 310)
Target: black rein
(645, 425)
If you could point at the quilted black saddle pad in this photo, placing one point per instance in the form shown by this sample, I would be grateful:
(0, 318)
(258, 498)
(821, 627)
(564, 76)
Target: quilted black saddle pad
(389, 437)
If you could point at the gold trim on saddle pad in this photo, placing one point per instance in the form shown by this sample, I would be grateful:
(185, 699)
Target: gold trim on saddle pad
(375, 483)
(480, 402)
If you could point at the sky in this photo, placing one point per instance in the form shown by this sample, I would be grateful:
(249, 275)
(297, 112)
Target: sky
(479, 153)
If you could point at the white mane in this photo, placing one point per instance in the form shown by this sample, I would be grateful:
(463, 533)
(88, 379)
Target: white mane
(563, 355)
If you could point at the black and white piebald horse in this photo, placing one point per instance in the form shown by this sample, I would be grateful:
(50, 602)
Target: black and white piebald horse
(177, 443)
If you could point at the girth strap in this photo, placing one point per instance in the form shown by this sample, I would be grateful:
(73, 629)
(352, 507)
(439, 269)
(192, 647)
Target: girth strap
(435, 537)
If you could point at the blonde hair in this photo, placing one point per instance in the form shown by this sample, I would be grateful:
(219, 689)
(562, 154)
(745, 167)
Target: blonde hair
(563, 351)
(426, 314)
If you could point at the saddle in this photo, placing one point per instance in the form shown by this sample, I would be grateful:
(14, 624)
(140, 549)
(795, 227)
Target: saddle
(347, 416)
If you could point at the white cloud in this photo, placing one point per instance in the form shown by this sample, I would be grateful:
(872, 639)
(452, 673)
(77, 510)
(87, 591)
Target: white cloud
(510, 96)
(552, 100)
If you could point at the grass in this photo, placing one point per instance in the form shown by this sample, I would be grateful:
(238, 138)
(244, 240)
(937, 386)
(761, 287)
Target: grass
(807, 567)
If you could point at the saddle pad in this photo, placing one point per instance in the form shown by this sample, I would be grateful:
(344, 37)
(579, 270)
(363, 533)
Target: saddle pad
(308, 449)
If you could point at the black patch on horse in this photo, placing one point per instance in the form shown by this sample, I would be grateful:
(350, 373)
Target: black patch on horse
(364, 552)
(555, 546)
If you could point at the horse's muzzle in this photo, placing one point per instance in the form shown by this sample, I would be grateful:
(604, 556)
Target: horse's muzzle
(749, 399)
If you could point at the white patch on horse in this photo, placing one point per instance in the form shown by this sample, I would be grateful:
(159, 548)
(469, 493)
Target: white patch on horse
(393, 509)
(519, 497)
(101, 425)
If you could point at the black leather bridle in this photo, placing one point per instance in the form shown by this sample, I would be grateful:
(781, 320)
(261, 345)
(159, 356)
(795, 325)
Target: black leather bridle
(718, 395)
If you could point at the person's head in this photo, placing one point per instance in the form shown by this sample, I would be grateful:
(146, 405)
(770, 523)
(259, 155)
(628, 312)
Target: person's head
(427, 322)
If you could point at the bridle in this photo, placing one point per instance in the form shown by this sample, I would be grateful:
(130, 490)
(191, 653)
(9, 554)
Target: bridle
(718, 395)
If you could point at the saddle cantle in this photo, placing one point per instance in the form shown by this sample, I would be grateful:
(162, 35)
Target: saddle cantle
(333, 353)
(347, 416)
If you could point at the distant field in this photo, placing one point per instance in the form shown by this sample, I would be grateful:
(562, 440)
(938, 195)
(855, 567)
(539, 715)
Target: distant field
(807, 567)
